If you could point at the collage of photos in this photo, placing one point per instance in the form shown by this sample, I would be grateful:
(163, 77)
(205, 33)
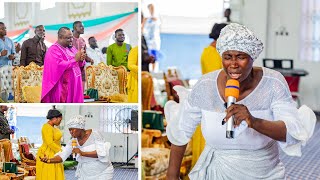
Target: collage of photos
(69, 90)
(159, 90)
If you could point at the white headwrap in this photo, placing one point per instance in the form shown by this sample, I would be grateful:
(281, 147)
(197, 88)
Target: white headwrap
(76, 122)
(240, 38)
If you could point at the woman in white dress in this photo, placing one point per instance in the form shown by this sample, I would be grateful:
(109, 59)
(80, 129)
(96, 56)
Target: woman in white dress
(265, 116)
(92, 152)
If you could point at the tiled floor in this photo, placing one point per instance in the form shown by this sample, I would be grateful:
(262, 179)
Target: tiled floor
(119, 174)
(308, 165)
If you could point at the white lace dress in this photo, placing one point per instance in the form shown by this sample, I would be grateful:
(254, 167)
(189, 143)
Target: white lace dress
(92, 168)
(250, 155)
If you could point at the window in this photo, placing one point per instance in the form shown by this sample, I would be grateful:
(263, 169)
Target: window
(310, 31)
(27, 122)
(30, 127)
(116, 119)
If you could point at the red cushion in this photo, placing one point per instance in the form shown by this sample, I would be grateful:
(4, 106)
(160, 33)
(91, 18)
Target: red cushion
(25, 148)
(29, 156)
(176, 82)
(293, 82)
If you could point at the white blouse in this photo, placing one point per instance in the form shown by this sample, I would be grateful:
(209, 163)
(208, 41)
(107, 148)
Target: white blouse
(270, 100)
(91, 168)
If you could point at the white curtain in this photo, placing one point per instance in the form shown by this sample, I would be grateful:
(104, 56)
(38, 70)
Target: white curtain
(310, 31)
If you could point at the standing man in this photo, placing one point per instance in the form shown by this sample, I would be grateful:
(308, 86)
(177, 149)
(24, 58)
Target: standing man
(79, 43)
(145, 56)
(61, 82)
(227, 14)
(151, 31)
(117, 53)
(5, 129)
(94, 52)
(7, 48)
(16, 61)
(34, 49)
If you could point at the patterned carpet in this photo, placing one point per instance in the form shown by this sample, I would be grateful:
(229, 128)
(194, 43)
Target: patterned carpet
(308, 165)
(119, 174)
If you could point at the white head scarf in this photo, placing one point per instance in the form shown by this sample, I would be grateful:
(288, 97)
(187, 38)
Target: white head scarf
(240, 38)
(76, 122)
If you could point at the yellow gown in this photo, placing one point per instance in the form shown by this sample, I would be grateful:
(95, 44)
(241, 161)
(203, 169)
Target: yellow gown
(132, 85)
(210, 61)
(51, 137)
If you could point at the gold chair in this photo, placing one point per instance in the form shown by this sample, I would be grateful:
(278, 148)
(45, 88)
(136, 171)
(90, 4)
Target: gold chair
(6, 148)
(147, 90)
(109, 81)
(24, 152)
(156, 162)
(150, 136)
(27, 82)
(172, 79)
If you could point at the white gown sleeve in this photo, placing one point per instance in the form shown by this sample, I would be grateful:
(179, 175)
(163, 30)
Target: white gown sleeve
(102, 147)
(300, 122)
(66, 151)
(182, 118)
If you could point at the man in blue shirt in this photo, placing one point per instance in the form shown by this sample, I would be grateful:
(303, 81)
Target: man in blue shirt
(7, 48)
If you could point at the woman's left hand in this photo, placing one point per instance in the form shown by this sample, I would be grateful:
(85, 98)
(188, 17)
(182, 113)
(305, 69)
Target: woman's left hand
(44, 159)
(240, 113)
(76, 150)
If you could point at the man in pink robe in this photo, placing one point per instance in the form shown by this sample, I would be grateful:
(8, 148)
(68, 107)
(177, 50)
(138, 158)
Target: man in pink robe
(61, 81)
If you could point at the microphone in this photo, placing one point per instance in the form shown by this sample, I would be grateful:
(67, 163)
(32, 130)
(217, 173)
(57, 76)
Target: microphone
(232, 94)
(74, 145)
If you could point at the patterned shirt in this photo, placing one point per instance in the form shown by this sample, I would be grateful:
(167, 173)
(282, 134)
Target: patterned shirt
(4, 126)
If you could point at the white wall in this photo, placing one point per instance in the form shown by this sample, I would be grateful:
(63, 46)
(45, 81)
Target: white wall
(187, 25)
(58, 15)
(284, 13)
(254, 15)
(29, 110)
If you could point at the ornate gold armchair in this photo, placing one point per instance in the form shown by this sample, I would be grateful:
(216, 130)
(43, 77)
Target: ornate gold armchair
(109, 81)
(6, 155)
(147, 90)
(27, 82)
(26, 156)
(156, 162)
(5, 150)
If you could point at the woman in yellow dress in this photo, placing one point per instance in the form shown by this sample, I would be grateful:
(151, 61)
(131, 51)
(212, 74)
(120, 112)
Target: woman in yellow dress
(132, 85)
(51, 137)
(210, 61)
